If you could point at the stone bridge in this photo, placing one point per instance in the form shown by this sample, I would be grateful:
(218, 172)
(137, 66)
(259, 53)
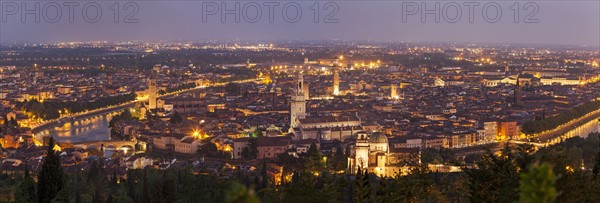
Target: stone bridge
(116, 144)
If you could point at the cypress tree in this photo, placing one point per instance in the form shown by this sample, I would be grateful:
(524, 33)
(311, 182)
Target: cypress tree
(110, 199)
(78, 198)
(114, 181)
(265, 176)
(25, 192)
(51, 178)
(362, 189)
(596, 169)
(145, 191)
(14, 122)
(6, 121)
(97, 198)
(257, 183)
(130, 185)
(62, 196)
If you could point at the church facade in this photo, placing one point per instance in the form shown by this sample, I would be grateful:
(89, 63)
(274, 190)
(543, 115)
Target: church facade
(372, 151)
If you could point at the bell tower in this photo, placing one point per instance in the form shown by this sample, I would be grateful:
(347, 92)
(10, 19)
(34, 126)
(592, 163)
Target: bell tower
(361, 158)
(336, 80)
(393, 91)
(298, 102)
(152, 102)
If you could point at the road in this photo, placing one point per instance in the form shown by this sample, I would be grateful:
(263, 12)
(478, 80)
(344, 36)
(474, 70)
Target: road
(550, 136)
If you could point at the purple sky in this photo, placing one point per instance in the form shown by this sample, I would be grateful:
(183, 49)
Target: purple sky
(560, 22)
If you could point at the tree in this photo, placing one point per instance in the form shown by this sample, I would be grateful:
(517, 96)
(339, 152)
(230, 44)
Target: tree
(51, 113)
(596, 169)
(264, 176)
(114, 180)
(122, 197)
(25, 191)
(362, 187)
(145, 191)
(13, 122)
(97, 180)
(251, 151)
(130, 185)
(238, 193)
(417, 186)
(338, 160)
(208, 148)
(97, 198)
(538, 185)
(62, 196)
(176, 118)
(78, 198)
(51, 178)
(164, 190)
(6, 121)
(126, 115)
(313, 152)
(257, 133)
(496, 178)
(387, 191)
(315, 162)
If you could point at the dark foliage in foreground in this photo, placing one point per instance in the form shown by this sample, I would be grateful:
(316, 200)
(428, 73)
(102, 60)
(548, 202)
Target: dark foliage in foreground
(561, 173)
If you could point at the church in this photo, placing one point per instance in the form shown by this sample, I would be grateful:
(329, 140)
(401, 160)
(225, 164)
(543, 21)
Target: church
(372, 151)
(320, 128)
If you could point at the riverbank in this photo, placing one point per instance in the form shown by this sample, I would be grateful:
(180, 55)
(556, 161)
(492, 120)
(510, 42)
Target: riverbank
(565, 128)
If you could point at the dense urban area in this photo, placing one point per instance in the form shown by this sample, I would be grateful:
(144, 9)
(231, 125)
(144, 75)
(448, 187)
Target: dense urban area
(298, 121)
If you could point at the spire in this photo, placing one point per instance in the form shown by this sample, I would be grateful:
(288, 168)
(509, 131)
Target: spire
(518, 91)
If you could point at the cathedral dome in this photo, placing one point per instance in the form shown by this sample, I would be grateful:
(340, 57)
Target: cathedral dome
(378, 138)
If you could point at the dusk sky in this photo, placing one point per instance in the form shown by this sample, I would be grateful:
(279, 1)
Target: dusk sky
(560, 22)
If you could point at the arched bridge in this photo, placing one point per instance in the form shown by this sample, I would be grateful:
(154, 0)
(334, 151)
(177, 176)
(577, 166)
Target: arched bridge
(117, 144)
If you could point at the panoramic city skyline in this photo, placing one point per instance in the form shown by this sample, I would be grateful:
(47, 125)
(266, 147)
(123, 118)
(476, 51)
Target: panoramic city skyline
(299, 101)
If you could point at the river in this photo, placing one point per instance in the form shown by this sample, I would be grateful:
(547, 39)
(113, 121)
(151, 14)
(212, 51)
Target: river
(584, 130)
(88, 129)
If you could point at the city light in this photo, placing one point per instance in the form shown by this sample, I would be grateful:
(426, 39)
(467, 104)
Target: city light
(237, 111)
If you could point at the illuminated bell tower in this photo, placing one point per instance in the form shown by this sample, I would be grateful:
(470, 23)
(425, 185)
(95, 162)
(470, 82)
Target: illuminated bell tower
(306, 92)
(152, 93)
(393, 91)
(361, 158)
(298, 102)
(336, 81)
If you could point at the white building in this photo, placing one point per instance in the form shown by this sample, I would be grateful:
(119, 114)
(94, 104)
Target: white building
(184, 145)
(372, 153)
(490, 129)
